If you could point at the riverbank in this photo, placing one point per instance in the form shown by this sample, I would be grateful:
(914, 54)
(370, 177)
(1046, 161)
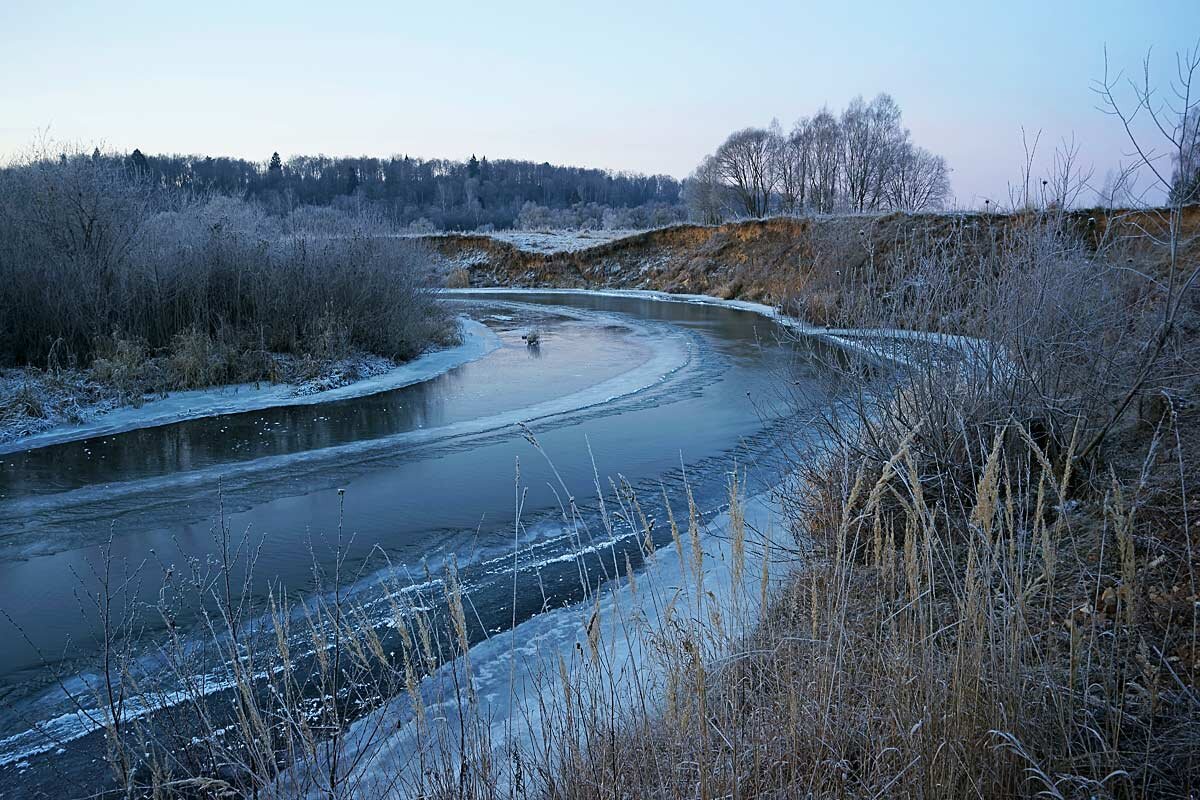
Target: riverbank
(1000, 598)
(810, 265)
(981, 612)
(70, 407)
(1000, 595)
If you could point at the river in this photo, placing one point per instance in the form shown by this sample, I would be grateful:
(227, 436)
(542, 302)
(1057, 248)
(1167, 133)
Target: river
(651, 391)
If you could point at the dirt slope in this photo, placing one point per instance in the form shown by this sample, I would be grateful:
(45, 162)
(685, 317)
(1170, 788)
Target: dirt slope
(773, 259)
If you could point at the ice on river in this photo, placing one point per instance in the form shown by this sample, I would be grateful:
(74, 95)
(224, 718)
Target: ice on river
(515, 675)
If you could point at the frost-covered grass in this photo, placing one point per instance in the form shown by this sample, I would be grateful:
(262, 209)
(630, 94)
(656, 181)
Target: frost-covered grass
(118, 290)
(980, 610)
(32, 401)
(103, 265)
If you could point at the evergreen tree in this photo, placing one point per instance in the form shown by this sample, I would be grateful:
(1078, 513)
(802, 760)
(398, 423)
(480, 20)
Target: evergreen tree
(276, 166)
(138, 161)
(473, 167)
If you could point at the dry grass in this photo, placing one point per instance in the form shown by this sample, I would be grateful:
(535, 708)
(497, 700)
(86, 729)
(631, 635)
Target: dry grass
(1003, 652)
(1007, 648)
(458, 279)
(980, 613)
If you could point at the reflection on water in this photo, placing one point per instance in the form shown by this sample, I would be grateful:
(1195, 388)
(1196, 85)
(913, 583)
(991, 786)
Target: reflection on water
(579, 354)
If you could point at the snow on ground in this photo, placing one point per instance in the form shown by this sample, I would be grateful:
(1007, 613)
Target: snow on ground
(544, 241)
(32, 401)
(558, 241)
(104, 419)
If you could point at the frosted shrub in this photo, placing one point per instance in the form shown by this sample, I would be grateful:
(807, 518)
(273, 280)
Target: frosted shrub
(95, 253)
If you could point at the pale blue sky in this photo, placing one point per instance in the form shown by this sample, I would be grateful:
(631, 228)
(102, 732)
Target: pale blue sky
(647, 86)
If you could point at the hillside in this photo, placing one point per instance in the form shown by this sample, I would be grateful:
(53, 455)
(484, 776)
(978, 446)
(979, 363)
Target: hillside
(777, 259)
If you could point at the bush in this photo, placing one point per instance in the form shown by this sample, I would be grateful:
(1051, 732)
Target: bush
(93, 254)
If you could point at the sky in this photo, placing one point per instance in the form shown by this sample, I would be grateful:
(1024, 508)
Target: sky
(644, 86)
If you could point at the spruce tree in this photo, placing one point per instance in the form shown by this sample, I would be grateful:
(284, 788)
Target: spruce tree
(138, 161)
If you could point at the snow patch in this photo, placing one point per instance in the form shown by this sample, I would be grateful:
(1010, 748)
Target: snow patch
(549, 242)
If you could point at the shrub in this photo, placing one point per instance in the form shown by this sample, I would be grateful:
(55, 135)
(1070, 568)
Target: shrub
(93, 252)
(121, 363)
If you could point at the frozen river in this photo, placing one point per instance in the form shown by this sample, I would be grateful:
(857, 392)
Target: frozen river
(648, 390)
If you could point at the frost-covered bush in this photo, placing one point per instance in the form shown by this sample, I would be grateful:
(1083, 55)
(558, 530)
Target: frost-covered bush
(92, 253)
(592, 216)
(422, 227)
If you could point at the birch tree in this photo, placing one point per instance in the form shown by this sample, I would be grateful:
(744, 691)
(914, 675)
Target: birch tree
(795, 163)
(746, 162)
(826, 135)
(871, 135)
(916, 180)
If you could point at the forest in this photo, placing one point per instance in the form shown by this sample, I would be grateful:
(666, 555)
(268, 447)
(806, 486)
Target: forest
(430, 194)
(858, 160)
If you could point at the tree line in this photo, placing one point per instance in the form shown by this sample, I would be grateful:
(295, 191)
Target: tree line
(859, 160)
(436, 194)
(862, 159)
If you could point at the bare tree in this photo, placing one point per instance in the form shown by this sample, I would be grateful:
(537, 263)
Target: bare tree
(746, 162)
(1185, 180)
(1119, 187)
(1172, 120)
(917, 180)
(1068, 178)
(795, 162)
(704, 194)
(826, 135)
(871, 135)
(860, 160)
(1021, 198)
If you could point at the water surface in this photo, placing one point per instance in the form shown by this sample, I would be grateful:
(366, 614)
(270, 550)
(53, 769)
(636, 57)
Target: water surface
(651, 391)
